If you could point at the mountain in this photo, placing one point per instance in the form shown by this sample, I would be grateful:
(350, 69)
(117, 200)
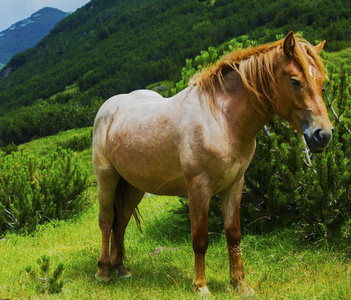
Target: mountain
(28, 32)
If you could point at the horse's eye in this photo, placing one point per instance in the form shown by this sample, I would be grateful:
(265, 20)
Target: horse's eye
(295, 82)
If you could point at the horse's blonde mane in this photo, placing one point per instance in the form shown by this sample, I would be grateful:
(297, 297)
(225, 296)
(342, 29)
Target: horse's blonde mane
(255, 67)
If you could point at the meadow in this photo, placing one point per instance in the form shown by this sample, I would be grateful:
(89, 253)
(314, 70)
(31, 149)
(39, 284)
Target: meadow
(279, 263)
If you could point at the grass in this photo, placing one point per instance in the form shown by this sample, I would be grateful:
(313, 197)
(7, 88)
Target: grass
(278, 265)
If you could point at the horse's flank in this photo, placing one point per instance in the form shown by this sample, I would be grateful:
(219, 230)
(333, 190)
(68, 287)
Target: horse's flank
(255, 66)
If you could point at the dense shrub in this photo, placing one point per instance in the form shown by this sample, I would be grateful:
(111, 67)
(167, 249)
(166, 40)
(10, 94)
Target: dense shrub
(35, 190)
(25, 123)
(12, 147)
(78, 143)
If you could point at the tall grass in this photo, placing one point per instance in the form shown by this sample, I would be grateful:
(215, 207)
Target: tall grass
(277, 265)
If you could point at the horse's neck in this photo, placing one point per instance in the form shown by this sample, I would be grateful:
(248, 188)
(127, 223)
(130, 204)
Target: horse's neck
(242, 119)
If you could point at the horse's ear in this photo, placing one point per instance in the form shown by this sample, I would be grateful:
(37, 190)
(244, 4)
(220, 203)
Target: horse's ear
(319, 47)
(289, 44)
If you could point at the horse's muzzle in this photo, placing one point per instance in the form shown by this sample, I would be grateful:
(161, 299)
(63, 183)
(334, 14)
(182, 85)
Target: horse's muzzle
(318, 140)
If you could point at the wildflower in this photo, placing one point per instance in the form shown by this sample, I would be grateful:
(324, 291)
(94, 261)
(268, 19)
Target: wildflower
(160, 249)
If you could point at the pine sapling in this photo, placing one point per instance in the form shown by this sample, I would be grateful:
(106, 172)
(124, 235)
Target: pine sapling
(46, 282)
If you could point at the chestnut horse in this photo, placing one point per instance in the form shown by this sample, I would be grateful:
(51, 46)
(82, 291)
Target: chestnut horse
(201, 141)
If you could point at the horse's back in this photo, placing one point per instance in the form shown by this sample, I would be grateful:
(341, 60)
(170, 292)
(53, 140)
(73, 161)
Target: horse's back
(123, 105)
(146, 93)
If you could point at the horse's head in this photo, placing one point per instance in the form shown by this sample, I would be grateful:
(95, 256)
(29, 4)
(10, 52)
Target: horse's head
(300, 80)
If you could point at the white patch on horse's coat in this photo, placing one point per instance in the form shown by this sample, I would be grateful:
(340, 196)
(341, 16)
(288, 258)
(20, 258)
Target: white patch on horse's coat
(310, 68)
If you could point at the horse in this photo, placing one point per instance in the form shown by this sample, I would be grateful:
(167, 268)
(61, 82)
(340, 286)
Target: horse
(200, 143)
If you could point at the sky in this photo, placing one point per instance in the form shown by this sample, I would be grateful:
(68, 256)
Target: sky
(12, 11)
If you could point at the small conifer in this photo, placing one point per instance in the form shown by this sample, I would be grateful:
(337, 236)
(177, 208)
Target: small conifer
(44, 281)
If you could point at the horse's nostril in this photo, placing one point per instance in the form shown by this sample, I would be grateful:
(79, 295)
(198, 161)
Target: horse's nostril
(317, 135)
(321, 138)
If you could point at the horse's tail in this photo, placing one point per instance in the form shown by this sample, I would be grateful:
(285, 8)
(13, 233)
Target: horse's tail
(120, 221)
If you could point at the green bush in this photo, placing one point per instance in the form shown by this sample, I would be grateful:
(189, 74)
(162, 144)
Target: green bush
(77, 143)
(12, 147)
(29, 122)
(35, 190)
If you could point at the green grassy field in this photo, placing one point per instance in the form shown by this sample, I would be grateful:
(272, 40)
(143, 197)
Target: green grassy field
(278, 264)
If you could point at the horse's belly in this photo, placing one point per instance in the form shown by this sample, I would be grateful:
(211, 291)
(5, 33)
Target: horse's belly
(174, 187)
(151, 167)
(151, 180)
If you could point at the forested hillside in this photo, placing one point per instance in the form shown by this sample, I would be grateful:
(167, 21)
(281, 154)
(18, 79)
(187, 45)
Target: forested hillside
(110, 47)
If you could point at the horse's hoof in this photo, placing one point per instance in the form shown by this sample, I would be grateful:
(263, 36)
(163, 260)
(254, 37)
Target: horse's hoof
(204, 292)
(245, 292)
(123, 273)
(103, 276)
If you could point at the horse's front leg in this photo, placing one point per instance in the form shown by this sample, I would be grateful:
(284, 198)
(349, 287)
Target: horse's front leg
(199, 196)
(230, 204)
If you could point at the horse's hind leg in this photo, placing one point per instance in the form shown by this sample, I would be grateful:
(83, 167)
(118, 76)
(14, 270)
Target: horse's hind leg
(127, 198)
(107, 179)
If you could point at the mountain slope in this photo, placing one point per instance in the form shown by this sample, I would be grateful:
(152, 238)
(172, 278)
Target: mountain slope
(28, 32)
